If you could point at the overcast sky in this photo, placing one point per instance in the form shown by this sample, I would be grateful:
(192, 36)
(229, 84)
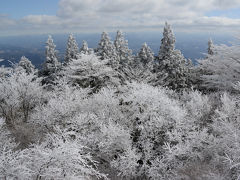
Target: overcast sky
(65, 16)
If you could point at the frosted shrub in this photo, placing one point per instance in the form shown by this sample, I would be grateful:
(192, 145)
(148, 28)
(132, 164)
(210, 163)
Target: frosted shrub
(26, 65)
(113, 140)
(132, 131)
(62, 105)
(127, 163)
(8, 155)
(151, 113)
(105, 104)
(57, 157)
(220, 70)
(89, 71)
(19, 94)
(226, 130)
(152, 104)
(199, 106)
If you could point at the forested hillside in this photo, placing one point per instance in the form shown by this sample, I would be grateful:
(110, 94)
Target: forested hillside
(105, 113)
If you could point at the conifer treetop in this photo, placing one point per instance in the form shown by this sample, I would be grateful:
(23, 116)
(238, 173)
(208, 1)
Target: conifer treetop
(172, 70)
(210, 47)
(167, 42)
(106, 49)
(123, 51)
(145, 54)
(51, 63)
(84, 49)
(72, 49)
(26, 64)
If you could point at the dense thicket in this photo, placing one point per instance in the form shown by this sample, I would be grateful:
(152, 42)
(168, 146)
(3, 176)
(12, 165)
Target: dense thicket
(111, 115)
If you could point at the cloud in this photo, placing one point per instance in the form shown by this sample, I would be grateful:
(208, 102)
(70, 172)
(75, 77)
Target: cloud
(41, 20)
(98, 15)
(128, 14)
(6, 22)
(226, 4)
(217, 21)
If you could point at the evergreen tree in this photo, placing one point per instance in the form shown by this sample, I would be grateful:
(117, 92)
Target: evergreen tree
(172, 70)
(51, 63)
(106, 50)
(84, 49)
(124, 53)
(143, 64)
(27, 65)
(167, 43)
(72, 49)
(203, 68)
(210, 47)
(146, 56)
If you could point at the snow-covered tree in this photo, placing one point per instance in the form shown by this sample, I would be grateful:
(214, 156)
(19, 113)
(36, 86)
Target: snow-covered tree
(123, 52)
(221, 70)
(171, 70)
(106, 50)
(145, 57)
(125, 57)
(210, 47)
(143, 63)
(72, 49)
(4, 71)
(27, 65)
(89, 71)
(84, 49)
(51, 63)
(58, 156)
(148, 127)
(19, 93)
(167, 43)
(94, 124)
(226, 131)
(130, 132)
(51, 66)
(201, 69)
(9, 166)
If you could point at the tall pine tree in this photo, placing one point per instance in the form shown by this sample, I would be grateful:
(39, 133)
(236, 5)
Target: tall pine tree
(167, 43)
(72, 49)
(146, 56)
(123, 52)
(172, 70)
(210, 47)
(106, 50)
(143, 63)
(51, 64)
(84, 49)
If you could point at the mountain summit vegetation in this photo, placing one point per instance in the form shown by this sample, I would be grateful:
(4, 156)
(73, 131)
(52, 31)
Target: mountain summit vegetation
(106, 113)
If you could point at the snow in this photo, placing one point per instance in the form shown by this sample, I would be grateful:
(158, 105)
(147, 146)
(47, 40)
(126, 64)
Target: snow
(111, 115)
